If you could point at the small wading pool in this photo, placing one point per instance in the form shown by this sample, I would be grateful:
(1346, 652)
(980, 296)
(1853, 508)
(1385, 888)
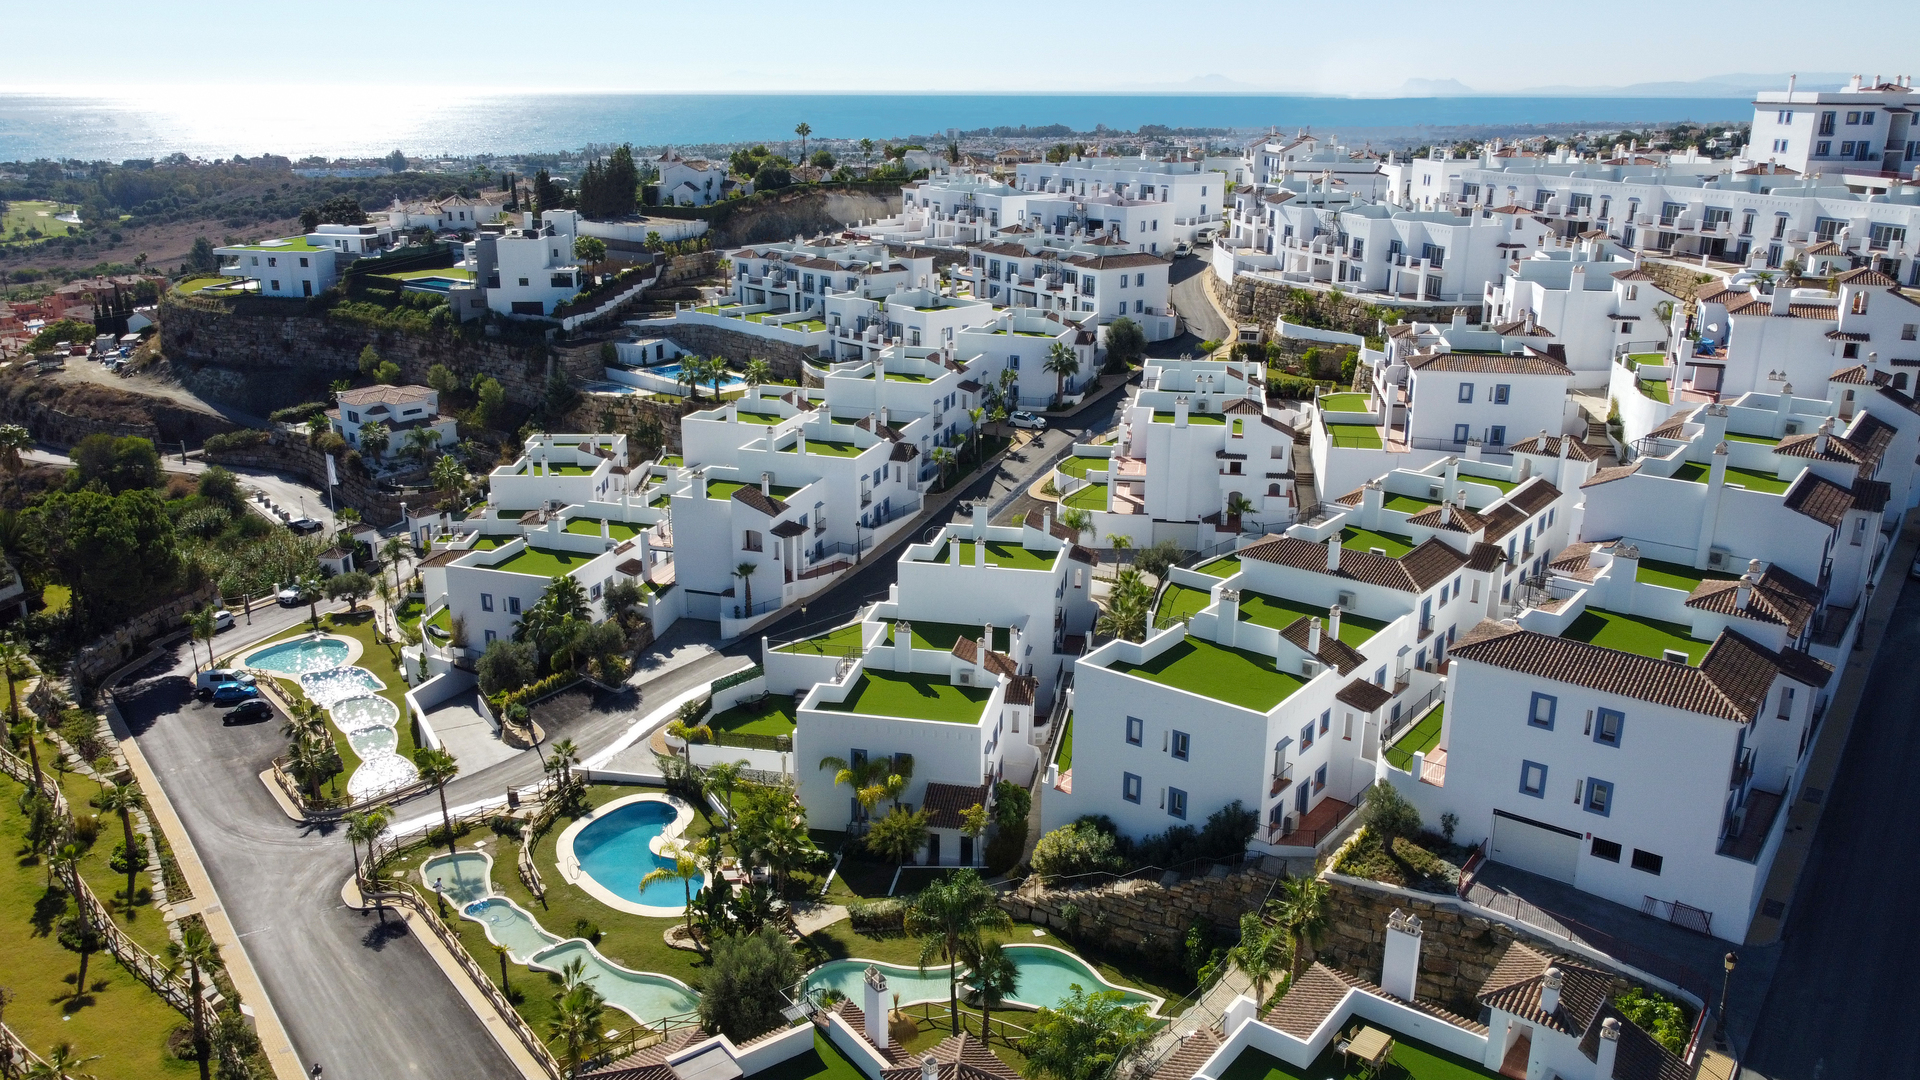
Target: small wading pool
(330, 688)
(300, 657)
(1047, 976)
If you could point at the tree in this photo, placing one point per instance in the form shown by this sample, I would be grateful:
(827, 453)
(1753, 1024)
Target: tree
(366, 827)
(685, 869)
(396, 161)
(1126, 343)
(395, 548)
(1389, 815)
(442, 379)
(489, 398)
(1238, 506)
(437, 767)
(1303, 916)
(993, 976)
(197, 955)
(590, 249)
(821, 159)
(507, 665)
(448, 475)
(308, 590)
(202, 258)
(13, 439)
(1063, 363)
(1127, 607)
(745, 571)
(899, 836)
(772, 829)
(117, 552)
(866, 149)
(77, 932)
(1157, 559)
(201, 626)
(564, 755)
(690, 374)
(421, 442)
(1011, 805)
(803, 129)
(353, 585)
(757, 371)
(1079, 848)
(957, 909)
(375, 438)
(741, 996)
(868, 778)
(124, 799)
(724, 777)
(1086, 1036)
(1258, 953)
(577, 1022)
(60, 1063)
(621, 599)
(942, 459)
(127, 463)
(1076, 519)
(14, 655)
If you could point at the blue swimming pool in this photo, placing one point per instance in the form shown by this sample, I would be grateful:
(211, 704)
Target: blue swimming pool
(300, 657)
(614, 850)
(1046, 977)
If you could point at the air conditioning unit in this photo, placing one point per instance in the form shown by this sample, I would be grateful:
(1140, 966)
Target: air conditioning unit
(1719, 558)
(1346, 601)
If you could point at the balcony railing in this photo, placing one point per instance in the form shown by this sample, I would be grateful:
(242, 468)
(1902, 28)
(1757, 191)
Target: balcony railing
(1282, 779)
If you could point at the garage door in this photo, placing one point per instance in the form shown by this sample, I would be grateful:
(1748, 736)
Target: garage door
(1535, 846)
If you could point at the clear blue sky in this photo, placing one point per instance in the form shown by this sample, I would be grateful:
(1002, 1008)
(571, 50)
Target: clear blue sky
(1368, 48)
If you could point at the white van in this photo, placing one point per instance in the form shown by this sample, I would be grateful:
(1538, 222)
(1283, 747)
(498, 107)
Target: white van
(212, 677)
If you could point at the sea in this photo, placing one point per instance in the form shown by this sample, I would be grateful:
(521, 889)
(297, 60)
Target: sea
(358, 123)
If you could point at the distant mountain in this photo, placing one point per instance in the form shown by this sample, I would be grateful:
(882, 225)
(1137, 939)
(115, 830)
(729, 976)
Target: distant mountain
(1435, 88)
(1742, 85)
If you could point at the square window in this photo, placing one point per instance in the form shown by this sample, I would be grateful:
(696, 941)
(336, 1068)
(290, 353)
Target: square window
(1533, 779)
(1136, 730)
(1606, 726)
(1320, 779)
(1306, 736)
(1500, 393)
(1176, 803)
(1466, 393)
(1130, 787)
(513, 605)
(1182, 746)
(490, 636)
(1648, 861)
(1599, 797)
(1497, 435)
(486, 601)
(1326, 718)
(1541, 713)
(1461, 433)
(1606, 849)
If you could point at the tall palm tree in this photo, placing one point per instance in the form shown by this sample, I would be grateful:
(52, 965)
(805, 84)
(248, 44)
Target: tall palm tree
(61, 1063)
(942, 459)
(1257, 954)
(76, 932)
(308, 590)
(201, 627)
(685, 868)
(421, 443)
(1076, 519)
(947, 913)
(745, 572)
(1063, 363)
(975, 416)
(395, 548)
(757, 371)
(383, 589)
(12, 655)
(366, 827)
(197, 955)
(124, 799)
(577, 1023)
(564, 756)
(866, 778)
(724, 777)
(993, 975)
(803, 129)
(690, 373)
(448, 475)
(437, 767)
(375, 438)
(1303, 913)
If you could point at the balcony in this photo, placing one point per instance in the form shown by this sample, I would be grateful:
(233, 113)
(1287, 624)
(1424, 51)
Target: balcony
(1282, 779)
(1747, 833)
(1742, 769)
(1316, 827)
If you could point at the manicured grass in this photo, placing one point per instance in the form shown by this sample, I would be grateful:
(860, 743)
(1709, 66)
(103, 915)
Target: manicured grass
(1635, 634)
(1279, 612)
(1223, 567)
(1407, 504)
(1354, 539)
(1178, 603)
(141, 922)
(827, 449)
(1063, 756)
(555, 468)
(940, 636)
(1656, 390)
(916, 697)
(773, 717)
(488, 543)
(1233, 676)
(443, 619)
(1410, 1061)
(454, 272)
(1676, 576)
(1647, 358)
(541, 562)
(908, 377)
(194, 285)
(1345, 403)
(1078, 467)
(1005, 555)
(409, 611)
(1355, 436)
(662, 502)
(724, 489)
(804, 324)
(1505, 486)
(673, 461)
(1763, 440)
(36, 214)
(620, 530)
(1211, 419)
(840, 641)
(1092, 497)
(748, 416)
(823, 1062)
(1751, 479)
(117, 1017)
(1420, 738)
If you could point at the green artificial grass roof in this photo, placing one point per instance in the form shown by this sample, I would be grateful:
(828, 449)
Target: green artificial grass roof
(1676, 576)
(1355, 436)
(1357, 539)
(774, 716)
(1753, 480)
(940, 636)
(839, 641)
(541, 562)
(620, 530)
(1077, 466)
(749, 416)
(1237, 677)
(1092, 497)
(1345, 403)
(1000, 553)
(1505, 486)
(1422, 737)
(724, 489)
(1636, 634)
(1063, 756)
(1278, 612)
(1213, 419)
(1178, 602)
(914, 697)
(1409, 1060)
(1223, 567)
(828, 448)
(1408, 504)
(1655, 389)
(1763, 440)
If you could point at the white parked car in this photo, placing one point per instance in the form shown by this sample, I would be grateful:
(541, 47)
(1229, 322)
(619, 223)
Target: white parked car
(222, 620)
(212, 677)
(1024, 419)
(288, 596)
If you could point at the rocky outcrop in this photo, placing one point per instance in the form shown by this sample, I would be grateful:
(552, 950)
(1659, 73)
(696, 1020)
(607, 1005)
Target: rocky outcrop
(787, 360)
(62, 412)
(1262, 302)
(801, 213)
(287, 453)
(1139, 915)
(631, 414)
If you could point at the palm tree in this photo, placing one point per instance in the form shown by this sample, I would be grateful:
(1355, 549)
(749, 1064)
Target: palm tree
(308, 590)
(1076, 519)
(383, 589)
(375, 438)
(437, 767)
(1063, 363)
(803, 129)
(866, 778)
(124, 799)
(76, 932)
(13, 439)
(421, 443)
(745, 572)
(366, 827)
(564, 755)
(13, 654)
(942, 459)
(1303, 914)
(203, 627)
(1256, 954)
(60, 1064)
(690, 373)
(448, 475)
(975, 416)
(197, 955)
(716, 373)
(1127, 605)
(314, 760)
(685, 868)
(756, 372)
(577, 1023)
(1237, 506)
(724, 776)
(993, 974)
(396, 548)
(947, 913)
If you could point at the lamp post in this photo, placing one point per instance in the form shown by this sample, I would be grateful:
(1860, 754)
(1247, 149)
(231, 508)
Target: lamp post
(1720, 1020)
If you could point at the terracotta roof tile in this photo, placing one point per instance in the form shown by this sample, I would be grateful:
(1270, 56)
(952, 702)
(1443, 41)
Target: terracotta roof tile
(1819, 498)
(1364, 695)
(1607, 476)
(1485, 557)
(1449, 518)
(764, 503)
(1415, 571)
(1865, 275)
(1781, 598)
(1550, 447)
(1492, 364)
(1193, 1052)
(945, 802)
(1533, 496)
(1341, 655)
(1638, 1057)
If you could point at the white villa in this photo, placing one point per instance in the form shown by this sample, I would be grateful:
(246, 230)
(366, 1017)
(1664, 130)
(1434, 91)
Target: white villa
(401, 408)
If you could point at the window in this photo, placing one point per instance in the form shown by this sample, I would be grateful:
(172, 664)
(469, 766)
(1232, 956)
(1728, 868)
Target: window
(1466, 393)
(1909, 331)
(1497, 435)
(1786, 703)
(1326, 720)
(1606, 726)
(486, 601)
(1533, 779)
(1461, 433)
(1648, 861)
(1320, 779)
(1779, 146)
(490, 637)
(1822, 149)
(1541, 714)
(1130, 787)
(1136, 730)
(1599, 797)
(513, 605)
(1826, 123)
(1182, 746)
(1846, 149)
(1500, 392)
(1176, 803)
(1606, 849)
(1306, 736)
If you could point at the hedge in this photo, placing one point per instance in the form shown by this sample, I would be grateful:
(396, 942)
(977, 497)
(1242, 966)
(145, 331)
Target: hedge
(230, 441)
(742, 676)
(551, 684)
(888, 916)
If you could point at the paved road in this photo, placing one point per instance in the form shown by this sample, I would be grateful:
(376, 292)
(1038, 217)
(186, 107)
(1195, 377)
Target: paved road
(1188, 277)
(295, 495)
(1844, 999)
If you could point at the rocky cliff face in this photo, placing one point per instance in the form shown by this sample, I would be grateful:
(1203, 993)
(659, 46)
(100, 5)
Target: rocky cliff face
(62, 412)
(801, 214)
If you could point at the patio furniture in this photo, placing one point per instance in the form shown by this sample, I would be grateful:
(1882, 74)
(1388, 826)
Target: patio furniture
(1371, 1046)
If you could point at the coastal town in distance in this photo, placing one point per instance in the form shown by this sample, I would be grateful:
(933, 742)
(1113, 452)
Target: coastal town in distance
(1240, 585)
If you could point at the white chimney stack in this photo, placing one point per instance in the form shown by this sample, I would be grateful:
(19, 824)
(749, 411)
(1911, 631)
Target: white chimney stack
(1333, 622)
(1313, 636)
(1400, 972)
(1333, 553)
(1608, 1052)
(1550, 991)
(929, 1068)
(875, 1004)
(903, 645)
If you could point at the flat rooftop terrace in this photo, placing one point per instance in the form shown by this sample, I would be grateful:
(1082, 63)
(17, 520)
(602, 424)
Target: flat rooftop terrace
(914, 697)
(1236, 677)
(1636, 634)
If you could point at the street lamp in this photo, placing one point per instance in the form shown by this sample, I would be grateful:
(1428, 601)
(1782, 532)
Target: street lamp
(1720, 1021)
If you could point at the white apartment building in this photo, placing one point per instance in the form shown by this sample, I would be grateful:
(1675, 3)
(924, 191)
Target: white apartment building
(456, 213)
(401, 408)
(293, 266)
(1098, 276)
(1278, 161)
(1594, 304)
(1159, 203)
(695, 181)
(1859, 130)
(527, 269)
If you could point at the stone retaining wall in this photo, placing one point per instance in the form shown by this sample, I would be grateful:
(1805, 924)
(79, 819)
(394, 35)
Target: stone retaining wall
(292, 454)
(1254, 300)
(786, 359)
(100, 657)
(62, 411)
(1140, 915)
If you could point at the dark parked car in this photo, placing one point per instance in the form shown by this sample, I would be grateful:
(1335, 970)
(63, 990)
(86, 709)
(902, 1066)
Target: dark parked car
(250, 711)
(234, 693)
(304, 525)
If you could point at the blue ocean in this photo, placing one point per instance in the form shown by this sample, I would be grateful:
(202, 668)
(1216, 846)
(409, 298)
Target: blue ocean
(420, 121)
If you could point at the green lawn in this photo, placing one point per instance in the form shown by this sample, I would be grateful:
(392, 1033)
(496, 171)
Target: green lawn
(748, 416)
(773, 717)
(673, 461)
(1211, 419)
(915, 697)
(1675, 576)
(1179, 602)
(1223, 567)
(804, 324)
(1093, 498)
(1635, 634)
(1063, 757)
(724, 489)
(33, 214)
(827, 448)
(1345, 403)
(409, 611)
(541, 562)
(591, 527)
(1505, 486)
(454, 272)
(141, 922)
(1657, 390)
(443, 619)
(840, 641)
(1763, 440)
(1234, 676)
(1355, 436)
(907, 377)
(1648, 358)
(1356, 539)
(1007, 556)
(1408, 504)
(1752, 479)
(1279, 612)
(381, 659)
(1410, 1060)
(117, 1017)
(1078, 467)
(940, 636)
(823, 1062)
(194, 285)
(1420, 738)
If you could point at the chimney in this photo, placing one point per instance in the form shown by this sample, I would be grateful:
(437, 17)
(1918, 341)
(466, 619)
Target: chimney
(1400, 972)
(1180, 411)
(1313, 636)
(1550, 991)
(1820, 440)
(766, 484)
(1717, 472)
(1743, 592)
(1227, 629)
(979, 550)
(902, 645)
(1446, 513)
(800, 443)
(875, 1005)
(883, 418)
(646, 554)
(1782, 296)
(1453, 477)
(1046, 521)
(929, 1068)
(1333, 554)
(958, 546)
(1373, 497)
(1608, 1052)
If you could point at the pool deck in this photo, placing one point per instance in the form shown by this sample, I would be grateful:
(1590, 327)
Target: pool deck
(354, 649)
(662, 845)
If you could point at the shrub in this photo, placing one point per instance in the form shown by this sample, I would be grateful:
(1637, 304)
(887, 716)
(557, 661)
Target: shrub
(1389, 814)
(86, 829)
(506, 665)
(744, 990)
(230, 441)
(118, 861)
(1656, 1015)
(586, 928)
(539, 689)
(1011, 805)
(1080, 848)
(888, 916)
(297, 414)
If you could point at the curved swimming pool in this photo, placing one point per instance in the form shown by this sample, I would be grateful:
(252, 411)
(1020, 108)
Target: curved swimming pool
(1046, 977)
(615, 850)
(300, 657)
